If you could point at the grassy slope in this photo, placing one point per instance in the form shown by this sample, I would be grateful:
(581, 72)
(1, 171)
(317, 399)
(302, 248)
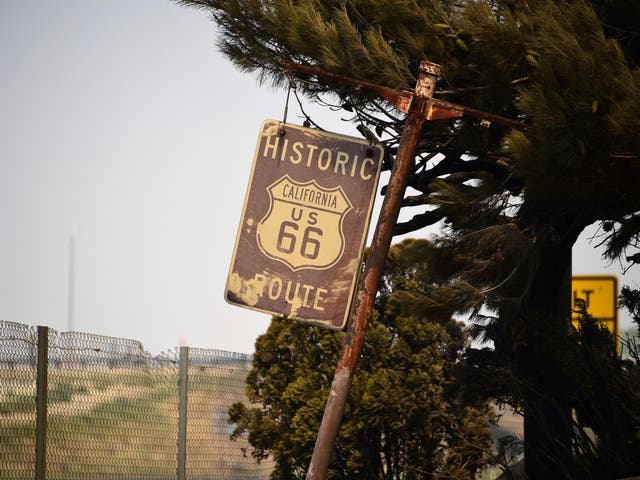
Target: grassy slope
(120, 422)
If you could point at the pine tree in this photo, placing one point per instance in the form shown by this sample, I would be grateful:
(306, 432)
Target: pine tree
(511, 203)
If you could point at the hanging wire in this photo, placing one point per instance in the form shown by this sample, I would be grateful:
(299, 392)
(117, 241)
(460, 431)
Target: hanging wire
(286, 105)
(282, 129)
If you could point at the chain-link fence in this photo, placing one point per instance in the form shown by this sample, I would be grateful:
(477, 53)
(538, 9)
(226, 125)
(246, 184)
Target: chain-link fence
(76, 405)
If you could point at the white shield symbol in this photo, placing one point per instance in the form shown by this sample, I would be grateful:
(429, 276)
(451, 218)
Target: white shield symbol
(303, 226)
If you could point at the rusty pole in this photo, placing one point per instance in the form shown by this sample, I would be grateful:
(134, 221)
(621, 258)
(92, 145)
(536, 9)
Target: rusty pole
(417, 114)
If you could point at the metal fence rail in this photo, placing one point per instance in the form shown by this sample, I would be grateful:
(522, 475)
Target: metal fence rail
(106, 409)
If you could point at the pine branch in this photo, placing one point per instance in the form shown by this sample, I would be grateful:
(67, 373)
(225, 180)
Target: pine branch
(454, 164)
(421, 220)
(483, 88)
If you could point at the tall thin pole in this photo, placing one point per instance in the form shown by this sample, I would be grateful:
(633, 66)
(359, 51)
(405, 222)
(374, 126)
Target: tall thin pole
(183, 385)
(41, 403)
(71, 284)
(416, 116)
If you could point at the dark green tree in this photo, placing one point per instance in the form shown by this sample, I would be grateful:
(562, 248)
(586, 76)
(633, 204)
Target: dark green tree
(630, 300)
(406, 417)
(605, 393)
(511, 203)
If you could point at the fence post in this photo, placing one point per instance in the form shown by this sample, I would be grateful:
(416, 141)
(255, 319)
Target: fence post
(41, 402)
(183, 383)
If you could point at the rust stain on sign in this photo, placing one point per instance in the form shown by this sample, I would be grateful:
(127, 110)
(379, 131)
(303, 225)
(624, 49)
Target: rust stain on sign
(304, 224)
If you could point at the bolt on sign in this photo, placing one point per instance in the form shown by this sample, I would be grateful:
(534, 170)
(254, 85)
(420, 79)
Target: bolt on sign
(304, 224)
(600, 296)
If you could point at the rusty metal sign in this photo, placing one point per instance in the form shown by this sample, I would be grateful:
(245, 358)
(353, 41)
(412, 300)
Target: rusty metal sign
(304, 224)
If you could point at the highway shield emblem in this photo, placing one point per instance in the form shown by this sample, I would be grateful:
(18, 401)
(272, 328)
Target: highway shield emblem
(303, 226)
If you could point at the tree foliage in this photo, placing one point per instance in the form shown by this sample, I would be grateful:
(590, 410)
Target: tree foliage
(630, 300)
(406, 417)
(555, 64)
(604, 392)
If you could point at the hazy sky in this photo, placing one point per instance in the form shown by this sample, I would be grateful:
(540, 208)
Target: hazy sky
(123, 127)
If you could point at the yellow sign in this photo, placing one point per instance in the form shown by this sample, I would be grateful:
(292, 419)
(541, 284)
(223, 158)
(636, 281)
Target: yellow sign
(600, 296)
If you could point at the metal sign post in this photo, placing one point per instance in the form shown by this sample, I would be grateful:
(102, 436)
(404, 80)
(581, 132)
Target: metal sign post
(418, 111)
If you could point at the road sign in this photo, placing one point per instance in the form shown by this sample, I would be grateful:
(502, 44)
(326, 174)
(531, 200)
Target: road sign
(304, 223)
(600, 294)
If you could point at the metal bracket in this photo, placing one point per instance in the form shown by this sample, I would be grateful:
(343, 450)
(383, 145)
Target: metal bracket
(401, 99)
